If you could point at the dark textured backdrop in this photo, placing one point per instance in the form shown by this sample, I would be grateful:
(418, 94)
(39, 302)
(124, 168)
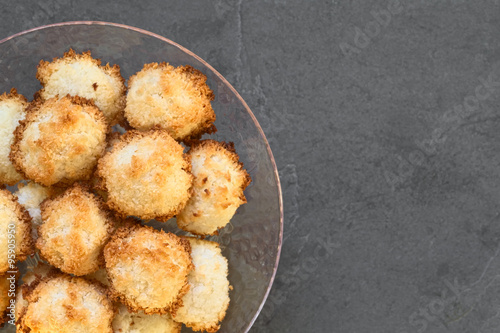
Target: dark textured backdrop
(384, 120)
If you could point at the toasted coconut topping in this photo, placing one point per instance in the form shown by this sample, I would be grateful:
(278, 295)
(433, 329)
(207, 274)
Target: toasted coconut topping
(60, 141)
(12, 110)
(30, 281)
(219, 182)
(129, 322)
(14, 220)
(81, 75)
(148, 268)
(146, 175)
(75, 228)
(176, 99)
(204, 305)
(63, 304)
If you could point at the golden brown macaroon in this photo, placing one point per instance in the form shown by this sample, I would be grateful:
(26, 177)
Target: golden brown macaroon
(30, 279)
(148, 268)
(81, 75)
(101, 275)
(60, 141)
(15, 232)
(204, 305)
(147, 175)
(175, 98)
(130, 322)
(219, 182)
(74, 230)
(65, 304)
(12, 110)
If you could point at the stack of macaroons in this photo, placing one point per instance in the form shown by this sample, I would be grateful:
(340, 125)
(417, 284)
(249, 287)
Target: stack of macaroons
(93, 161)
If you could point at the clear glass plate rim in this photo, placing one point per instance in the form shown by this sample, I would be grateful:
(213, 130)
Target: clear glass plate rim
(254, 119)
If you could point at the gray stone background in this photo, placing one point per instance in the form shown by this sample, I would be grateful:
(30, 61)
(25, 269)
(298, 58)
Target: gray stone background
(384, 121)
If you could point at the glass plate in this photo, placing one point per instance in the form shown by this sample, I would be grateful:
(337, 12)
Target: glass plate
(252, 241)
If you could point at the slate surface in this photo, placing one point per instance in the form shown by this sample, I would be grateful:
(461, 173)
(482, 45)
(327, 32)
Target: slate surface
(384, 120)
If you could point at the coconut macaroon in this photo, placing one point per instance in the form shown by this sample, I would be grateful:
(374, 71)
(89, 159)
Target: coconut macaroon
(204, 305)
(81, 75)
(147, 175)
(62, 303)
(130, 322)
(74, 231)
(219, 182)
(15, 232)
(148, 268)
(174, 98)
(60, 141)
(12, 110)
(29, 279)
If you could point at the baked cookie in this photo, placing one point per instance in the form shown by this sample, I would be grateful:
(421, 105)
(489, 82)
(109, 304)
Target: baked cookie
(75, 227)
(176, 99)
(60, 141)
(81, 75)
(148, 268)
(65, 304)
(219, 182)
(146, 175)
(12, 110)
(204, 305)
(138, 322)
(15, 232)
